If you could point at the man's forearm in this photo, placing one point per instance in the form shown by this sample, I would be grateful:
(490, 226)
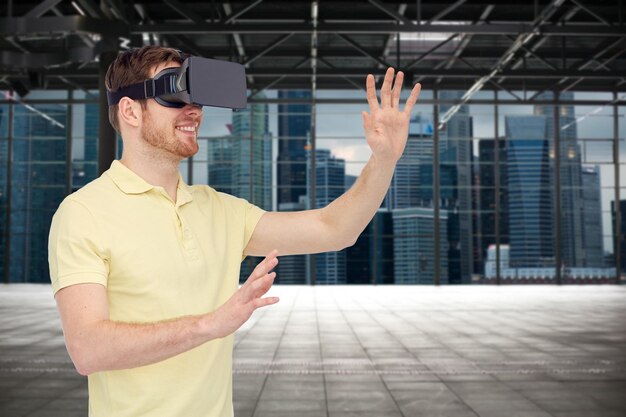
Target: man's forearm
(108, 345)
(349, 214)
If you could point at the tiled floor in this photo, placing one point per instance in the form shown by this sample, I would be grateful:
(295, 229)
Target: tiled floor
(373, 352)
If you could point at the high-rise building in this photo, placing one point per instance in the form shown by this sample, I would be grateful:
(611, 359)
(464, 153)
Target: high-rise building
(370, 259)
(528, 170)
(457, 141)
(620, 235)
(292, 269)
(4, 158)
(85, 148)
(407, 184)
(572, 245)
(220, 161)
(330, 267)
(592, 217)
(294, 125)
(487, 198)
(414, 246)
(252, 153)
(38, 185)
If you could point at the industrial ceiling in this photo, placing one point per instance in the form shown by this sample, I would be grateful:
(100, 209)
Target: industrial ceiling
(465, 45)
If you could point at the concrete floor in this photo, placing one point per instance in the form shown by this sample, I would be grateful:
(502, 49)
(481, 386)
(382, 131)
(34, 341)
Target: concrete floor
(483, 351)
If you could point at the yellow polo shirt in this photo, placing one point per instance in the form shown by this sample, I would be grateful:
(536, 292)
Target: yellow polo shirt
(158, 260)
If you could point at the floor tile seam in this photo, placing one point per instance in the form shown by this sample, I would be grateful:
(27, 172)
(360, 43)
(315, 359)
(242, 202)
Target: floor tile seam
(476, 412)
(520, 391)
(395, 402)
(291, 309)
(319, 338)
(410, 324)
(579, 391)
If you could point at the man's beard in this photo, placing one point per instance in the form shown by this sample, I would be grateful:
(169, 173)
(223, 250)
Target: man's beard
(159, 139)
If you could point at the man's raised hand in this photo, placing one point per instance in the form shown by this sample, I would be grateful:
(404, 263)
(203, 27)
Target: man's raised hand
(386, 127)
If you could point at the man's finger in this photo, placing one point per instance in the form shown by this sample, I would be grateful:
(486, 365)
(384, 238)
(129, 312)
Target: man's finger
(385, 91)
(264, 302)
(410, 102)
(371, 93)
(367, 122)
(264, 266)
(397, 89)
(263, 285)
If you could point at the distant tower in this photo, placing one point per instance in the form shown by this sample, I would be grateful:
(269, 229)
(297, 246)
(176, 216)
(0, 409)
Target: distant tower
(530, 193)
(330, 172)
(592, 218)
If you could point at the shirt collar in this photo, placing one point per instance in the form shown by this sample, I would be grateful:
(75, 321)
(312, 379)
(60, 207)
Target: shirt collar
(131, 183)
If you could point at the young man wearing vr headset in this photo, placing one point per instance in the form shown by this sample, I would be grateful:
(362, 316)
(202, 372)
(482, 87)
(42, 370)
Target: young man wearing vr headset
(145, 268)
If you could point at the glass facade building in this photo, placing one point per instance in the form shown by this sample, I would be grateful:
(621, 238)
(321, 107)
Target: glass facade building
(501, 193)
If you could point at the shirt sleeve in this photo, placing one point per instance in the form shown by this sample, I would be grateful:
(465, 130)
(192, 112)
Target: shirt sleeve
(76, 252)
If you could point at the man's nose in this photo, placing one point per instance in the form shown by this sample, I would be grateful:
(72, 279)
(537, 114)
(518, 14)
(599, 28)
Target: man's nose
(193, 109)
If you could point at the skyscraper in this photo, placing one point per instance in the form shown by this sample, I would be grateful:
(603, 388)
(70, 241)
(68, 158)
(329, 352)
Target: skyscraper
(458, 137)
(85, 148)
(407, 184)
(330, 267)
(220, 161)
(592, 217)
(370, 259)
(38, 181)
(294, 125)
(572, 245)
(414, 246)
(252, 153)
(619, 234)
(4, 160)
(529, 193)
(487, 198)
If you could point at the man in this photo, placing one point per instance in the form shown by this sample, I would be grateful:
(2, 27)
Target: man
(145, 268)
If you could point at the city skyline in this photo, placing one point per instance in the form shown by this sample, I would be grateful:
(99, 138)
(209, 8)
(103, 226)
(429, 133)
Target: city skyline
(587, 177)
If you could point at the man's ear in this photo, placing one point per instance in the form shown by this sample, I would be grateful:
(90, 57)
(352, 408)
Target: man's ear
(130, 112)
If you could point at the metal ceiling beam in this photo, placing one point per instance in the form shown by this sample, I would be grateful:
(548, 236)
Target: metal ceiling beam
(591, 13)
(399, 17)
(464, 41)
(446, 11)
(266, 50)
(391, 38)
(232, 17)
(362, 50)
(90, 8)
(277, 80)
(21, 61)
(362, 28)
(41, 9)
(455, 73)
(499, 68)
(430, 51)
(63, 25)
(359, 86)
(184, 11)
(530, 52)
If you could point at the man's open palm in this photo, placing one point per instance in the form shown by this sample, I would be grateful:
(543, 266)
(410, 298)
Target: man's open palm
(386, 127)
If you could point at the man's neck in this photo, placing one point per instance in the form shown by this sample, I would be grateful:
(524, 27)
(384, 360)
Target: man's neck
(162, 172)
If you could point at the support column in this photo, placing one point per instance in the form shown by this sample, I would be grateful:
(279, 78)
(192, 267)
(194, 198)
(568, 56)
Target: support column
(107, 137)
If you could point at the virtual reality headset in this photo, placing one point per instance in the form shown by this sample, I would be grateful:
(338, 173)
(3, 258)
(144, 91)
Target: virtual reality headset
(198, 81)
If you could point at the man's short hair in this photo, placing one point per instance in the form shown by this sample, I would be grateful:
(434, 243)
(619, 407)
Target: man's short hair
(133, 66)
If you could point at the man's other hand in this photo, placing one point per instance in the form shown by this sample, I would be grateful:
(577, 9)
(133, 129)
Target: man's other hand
(238, 309)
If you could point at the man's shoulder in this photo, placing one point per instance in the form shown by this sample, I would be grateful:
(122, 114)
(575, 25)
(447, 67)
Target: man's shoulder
(96, 193)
